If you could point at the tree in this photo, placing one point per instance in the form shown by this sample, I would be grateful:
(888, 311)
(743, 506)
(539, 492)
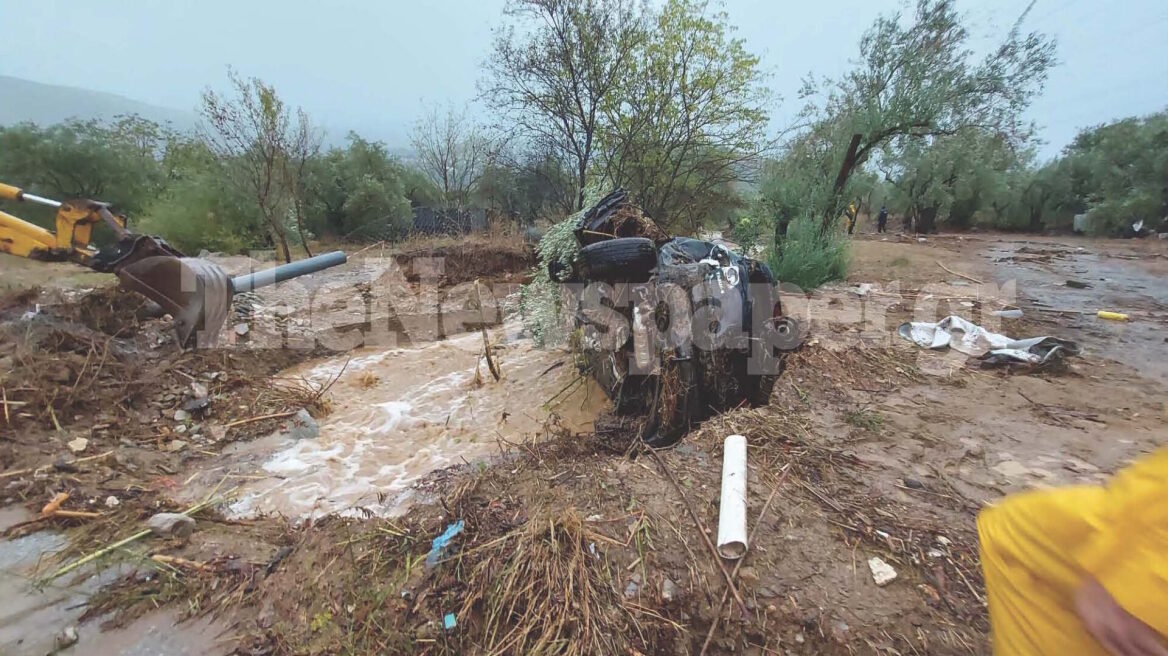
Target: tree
(687, 119)
(267, 143)
(954, 179)
(452, 151)
(921, 80)
(203, 209)
(528, 186)
(87, 159)
(301, 146)
(358, 192)
(1118, 174)
(550, 78)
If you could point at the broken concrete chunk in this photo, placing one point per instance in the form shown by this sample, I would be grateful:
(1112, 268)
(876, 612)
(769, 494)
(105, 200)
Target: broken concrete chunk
(1011, 469)
(171, 525)
(631, 590)
(302, 426)
(882, 572)
(197, 404)
(78, 445)
(241, 329)
(67, 637)
(199, 390)
(669, 590)
(634, 586)
(217, 431)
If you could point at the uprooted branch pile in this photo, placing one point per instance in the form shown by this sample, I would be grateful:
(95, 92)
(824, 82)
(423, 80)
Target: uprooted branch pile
(545, 588)
(92, 361)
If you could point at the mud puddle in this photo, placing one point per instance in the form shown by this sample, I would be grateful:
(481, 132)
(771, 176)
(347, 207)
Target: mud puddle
(33, 619)
(400, 414)
(1112, 284)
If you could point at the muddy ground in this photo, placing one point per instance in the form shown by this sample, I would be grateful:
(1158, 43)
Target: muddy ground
(572, 540)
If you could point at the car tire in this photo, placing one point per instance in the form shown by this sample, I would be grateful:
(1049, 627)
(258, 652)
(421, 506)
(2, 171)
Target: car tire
(628, 259)
(673, 409)
(760, 388)
(723, 378)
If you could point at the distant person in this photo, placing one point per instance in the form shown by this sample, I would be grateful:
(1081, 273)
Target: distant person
(851, 213)
(882, 219)
(1081, 570)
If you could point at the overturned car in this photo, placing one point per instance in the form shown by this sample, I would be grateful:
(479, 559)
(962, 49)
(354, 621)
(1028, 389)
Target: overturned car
(672, 327)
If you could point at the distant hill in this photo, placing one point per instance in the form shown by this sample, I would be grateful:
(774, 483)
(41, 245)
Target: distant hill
(46, 104)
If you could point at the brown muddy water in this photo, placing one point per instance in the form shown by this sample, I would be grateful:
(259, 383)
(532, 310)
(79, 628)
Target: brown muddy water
(1041, 271)
(400, 414)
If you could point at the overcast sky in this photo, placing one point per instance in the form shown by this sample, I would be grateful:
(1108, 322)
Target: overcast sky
(370, 65)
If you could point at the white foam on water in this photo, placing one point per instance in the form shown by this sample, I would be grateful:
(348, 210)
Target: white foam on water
(422, 414)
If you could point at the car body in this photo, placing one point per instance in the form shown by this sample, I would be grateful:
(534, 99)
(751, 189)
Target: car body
(672, 327)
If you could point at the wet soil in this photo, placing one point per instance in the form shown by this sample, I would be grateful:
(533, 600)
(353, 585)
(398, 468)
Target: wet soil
(889, 452)
(453, 264)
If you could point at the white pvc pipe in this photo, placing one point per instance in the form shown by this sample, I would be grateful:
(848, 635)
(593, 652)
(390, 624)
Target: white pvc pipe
(732, 510)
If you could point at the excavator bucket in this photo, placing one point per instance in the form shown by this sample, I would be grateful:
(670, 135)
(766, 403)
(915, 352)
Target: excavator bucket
(197, 293)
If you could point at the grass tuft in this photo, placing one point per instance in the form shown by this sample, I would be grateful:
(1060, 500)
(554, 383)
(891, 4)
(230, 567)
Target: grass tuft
(864, 418)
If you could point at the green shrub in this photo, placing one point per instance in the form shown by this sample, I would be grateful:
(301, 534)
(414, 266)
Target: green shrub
(1115, 215)
(810, 257)
(540, 301)
(747, 233)
(203, 211)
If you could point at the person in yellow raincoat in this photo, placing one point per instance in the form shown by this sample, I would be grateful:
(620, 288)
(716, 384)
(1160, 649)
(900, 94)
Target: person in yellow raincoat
(1081, 571)
(851, 214)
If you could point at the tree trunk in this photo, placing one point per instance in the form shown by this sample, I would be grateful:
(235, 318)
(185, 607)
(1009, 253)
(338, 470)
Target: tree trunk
(580, 179)
(927, 220)
(300, 228)
(281, 240)
(781, 224)
(841, 181)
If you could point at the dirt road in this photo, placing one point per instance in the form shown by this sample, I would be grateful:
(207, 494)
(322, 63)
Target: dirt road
(890, 452)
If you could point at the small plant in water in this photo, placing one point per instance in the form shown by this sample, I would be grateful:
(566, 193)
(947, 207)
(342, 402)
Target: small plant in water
(864, 418)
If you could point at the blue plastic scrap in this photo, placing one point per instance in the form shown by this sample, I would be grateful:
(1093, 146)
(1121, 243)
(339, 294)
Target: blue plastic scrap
(449, 622)
(441, 542)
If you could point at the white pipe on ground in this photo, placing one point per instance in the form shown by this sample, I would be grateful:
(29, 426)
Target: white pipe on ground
(732, 509)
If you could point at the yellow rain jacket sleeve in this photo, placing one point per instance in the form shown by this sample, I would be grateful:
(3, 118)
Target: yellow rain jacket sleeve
(1128, 553)
(1038, 547)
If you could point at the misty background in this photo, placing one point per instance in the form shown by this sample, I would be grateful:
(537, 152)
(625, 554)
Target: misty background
(372, 67)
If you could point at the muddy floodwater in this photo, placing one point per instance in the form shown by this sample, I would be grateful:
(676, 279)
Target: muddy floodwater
(1041, 271)
(400, 414)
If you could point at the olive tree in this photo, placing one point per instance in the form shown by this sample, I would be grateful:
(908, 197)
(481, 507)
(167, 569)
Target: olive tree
(918, 77)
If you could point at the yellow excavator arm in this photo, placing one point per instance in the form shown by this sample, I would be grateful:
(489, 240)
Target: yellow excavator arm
(197, 293)
(75, 221)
